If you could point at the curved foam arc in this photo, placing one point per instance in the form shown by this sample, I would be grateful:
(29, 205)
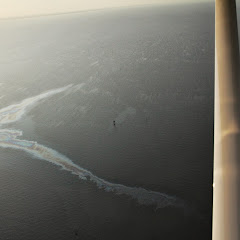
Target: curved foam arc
(8, 139)
(15, 112)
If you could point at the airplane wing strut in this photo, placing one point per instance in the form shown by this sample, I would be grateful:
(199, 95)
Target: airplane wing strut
(226, 183)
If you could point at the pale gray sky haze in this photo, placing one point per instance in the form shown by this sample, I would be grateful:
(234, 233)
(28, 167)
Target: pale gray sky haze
(20, 8)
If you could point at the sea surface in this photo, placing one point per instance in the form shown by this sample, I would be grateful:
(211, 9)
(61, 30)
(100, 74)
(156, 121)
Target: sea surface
(66, 172)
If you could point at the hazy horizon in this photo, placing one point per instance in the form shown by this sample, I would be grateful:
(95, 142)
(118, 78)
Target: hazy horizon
(27, 8)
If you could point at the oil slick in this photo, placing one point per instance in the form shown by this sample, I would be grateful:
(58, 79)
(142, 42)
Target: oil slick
(15, 112)
(9, 139)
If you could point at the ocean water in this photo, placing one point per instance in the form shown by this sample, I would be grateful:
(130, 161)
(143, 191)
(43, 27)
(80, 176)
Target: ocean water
(66, 171)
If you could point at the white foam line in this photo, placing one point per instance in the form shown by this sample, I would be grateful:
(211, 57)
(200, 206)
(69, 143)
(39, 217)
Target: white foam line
(15, 112)
(8, 139)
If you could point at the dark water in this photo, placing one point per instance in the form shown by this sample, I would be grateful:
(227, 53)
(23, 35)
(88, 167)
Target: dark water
(151, 69)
